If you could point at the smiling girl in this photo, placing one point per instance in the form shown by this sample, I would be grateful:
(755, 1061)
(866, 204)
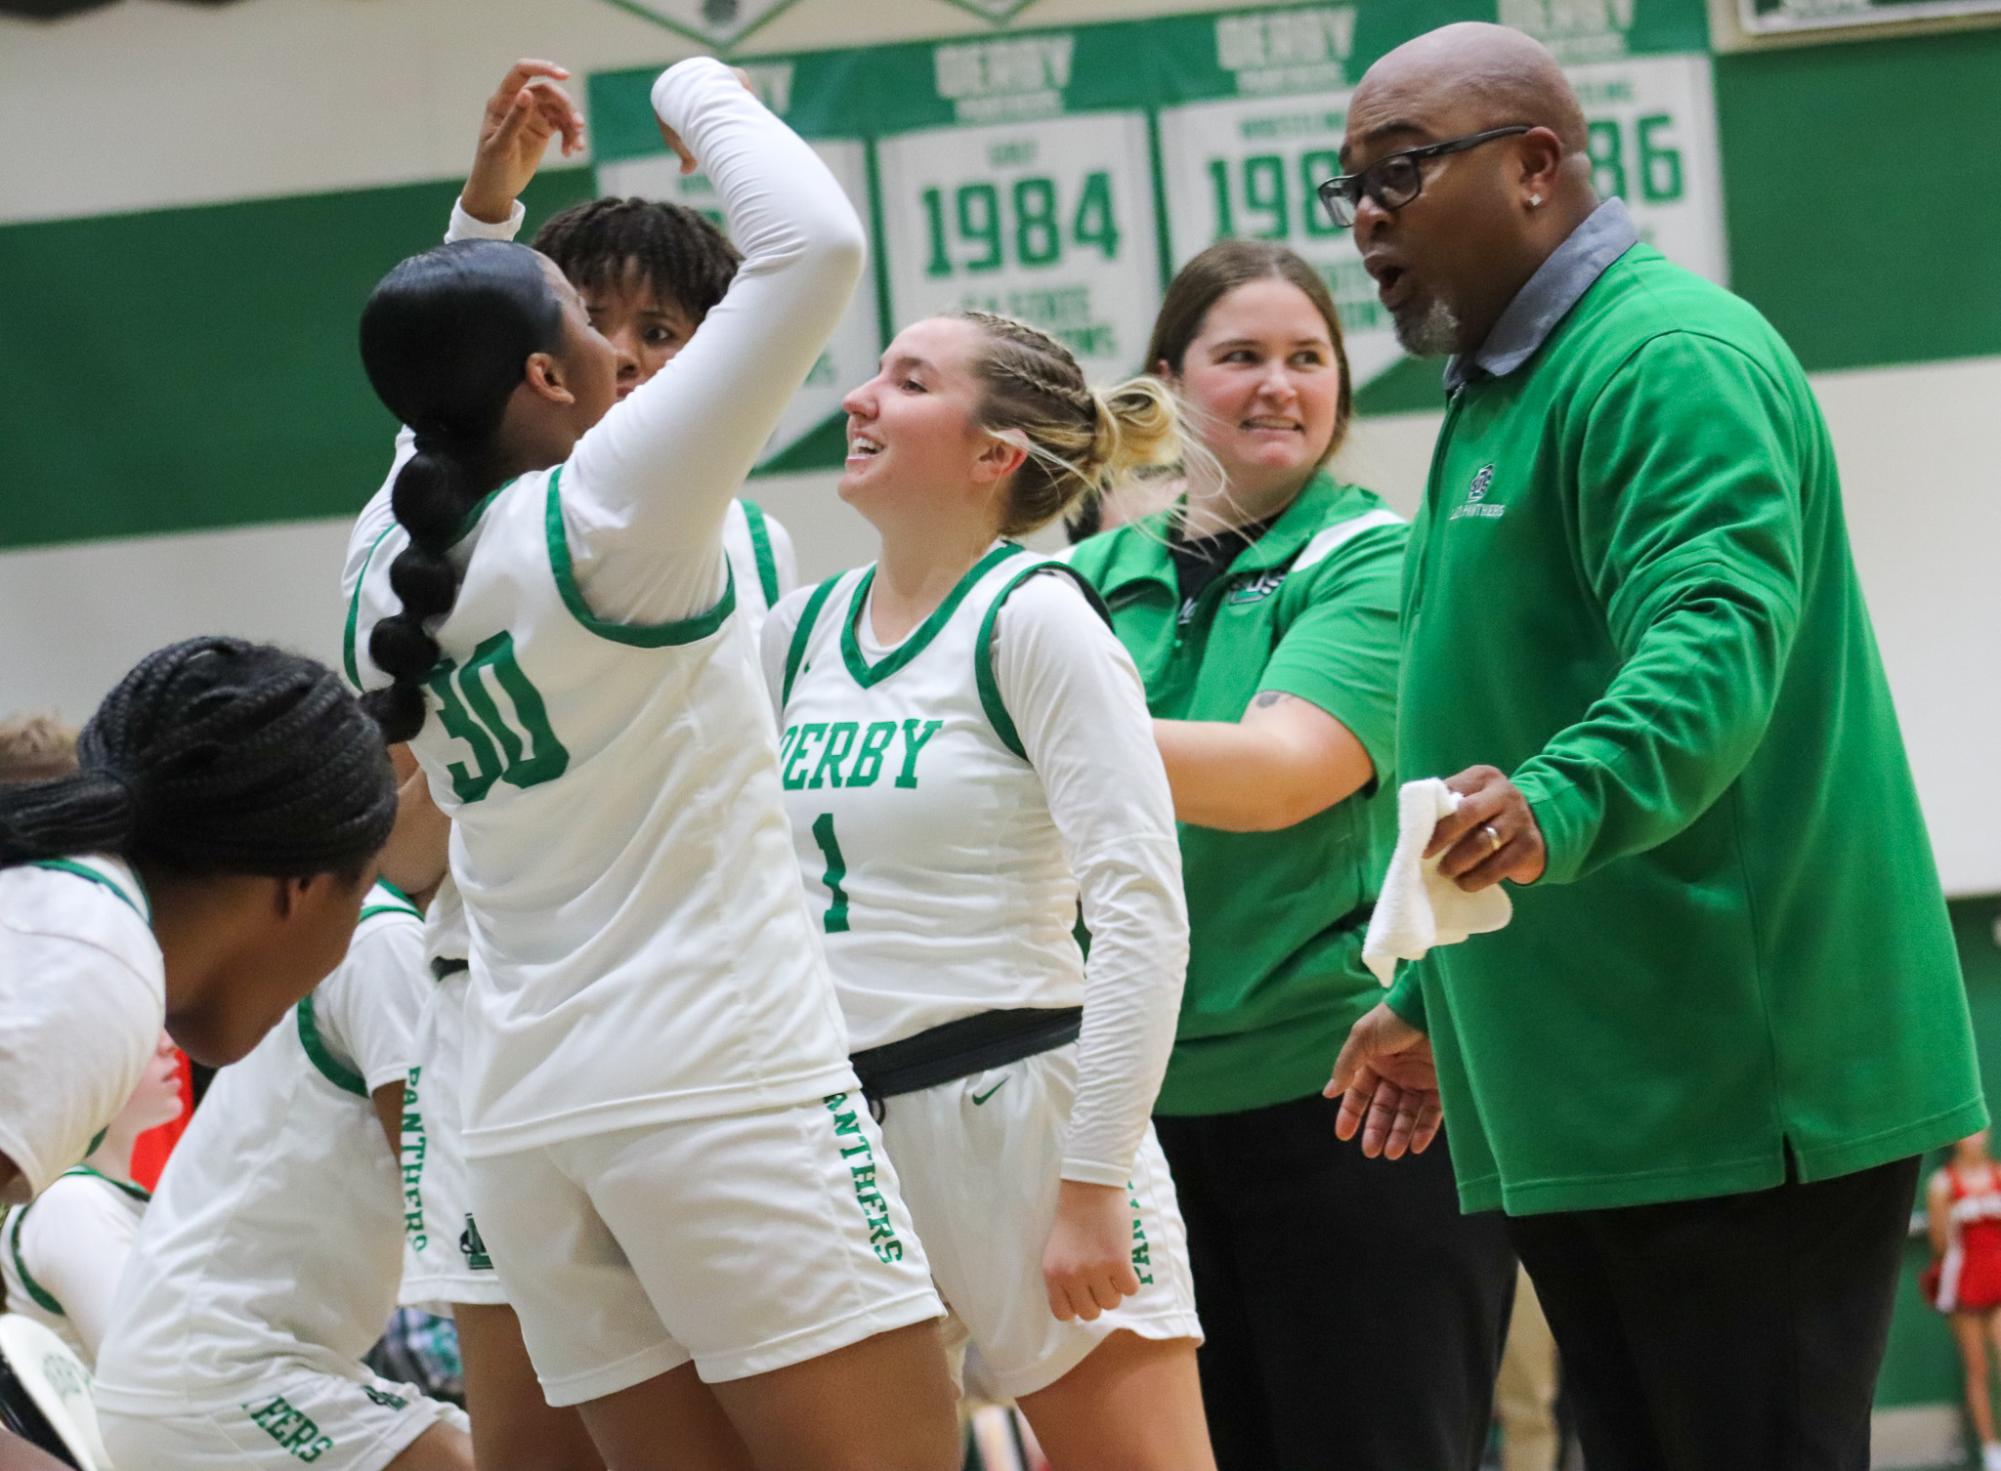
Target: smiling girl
(966, 755)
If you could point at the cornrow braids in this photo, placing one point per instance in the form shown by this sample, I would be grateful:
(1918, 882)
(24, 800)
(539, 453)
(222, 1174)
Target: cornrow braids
(679, 252)
(444, 339)
(216, 755)
(1079, 440)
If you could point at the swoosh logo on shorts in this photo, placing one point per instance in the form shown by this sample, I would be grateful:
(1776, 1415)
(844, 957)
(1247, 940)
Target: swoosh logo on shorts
(980, 1098)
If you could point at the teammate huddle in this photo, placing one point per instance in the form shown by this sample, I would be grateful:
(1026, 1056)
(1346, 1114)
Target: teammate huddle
(728, 1042)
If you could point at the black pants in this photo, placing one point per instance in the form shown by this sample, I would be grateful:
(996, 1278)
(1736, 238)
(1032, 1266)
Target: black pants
(1354, 1318)
(1740, 1333)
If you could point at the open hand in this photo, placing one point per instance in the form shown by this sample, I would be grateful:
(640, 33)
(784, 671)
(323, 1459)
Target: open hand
(526, 110)
(1087, 1266)
(1492, 836)
(1388, 1087)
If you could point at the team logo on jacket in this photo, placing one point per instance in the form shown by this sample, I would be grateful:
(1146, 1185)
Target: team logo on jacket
(1476, 497)
(1257, 589)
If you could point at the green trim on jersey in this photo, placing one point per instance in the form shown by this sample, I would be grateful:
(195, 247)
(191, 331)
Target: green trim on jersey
(983, 649)
(639, 635)
(795, 655)
(396, 902)
(43, 1298)
(868, 675)
(138, 1192)
(760, 544)
(348, 662)
(142, 906)
(331, 1068)
(471, 518)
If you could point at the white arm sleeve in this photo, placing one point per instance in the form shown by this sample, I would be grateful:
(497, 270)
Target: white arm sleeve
(74, 1244)
(367, 1009)
(1080, 708)
(783, 555)
(776, 643)
(644, 494)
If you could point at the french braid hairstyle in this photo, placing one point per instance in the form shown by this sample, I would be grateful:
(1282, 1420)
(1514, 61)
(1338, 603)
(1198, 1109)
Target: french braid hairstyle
(216, 755)
(444, 338)
(601, 244)
(1080, 441)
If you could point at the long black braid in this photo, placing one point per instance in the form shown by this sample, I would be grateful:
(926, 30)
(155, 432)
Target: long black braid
(216, 755)
(444, 338)
(682, 255)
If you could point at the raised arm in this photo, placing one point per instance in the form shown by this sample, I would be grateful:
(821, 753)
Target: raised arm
(644, 495)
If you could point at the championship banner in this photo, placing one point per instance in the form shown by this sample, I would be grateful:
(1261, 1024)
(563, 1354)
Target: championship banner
(1062, 176)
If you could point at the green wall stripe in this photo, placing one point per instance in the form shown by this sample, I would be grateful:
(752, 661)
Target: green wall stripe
(195, 368)
(1863, 242)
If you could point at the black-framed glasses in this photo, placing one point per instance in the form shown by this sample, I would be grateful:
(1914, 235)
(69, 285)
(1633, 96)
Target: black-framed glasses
(1395, 179)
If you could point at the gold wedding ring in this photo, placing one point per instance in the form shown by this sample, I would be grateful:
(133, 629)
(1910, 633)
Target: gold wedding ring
(1493, 838)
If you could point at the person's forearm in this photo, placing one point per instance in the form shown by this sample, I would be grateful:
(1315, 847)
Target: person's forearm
(1241, 779)
(1672, 731)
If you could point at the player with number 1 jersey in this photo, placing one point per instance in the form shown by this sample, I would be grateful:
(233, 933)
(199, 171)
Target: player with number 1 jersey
(966, 753)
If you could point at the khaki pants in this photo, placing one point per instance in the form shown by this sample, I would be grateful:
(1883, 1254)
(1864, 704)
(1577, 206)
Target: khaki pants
(1525, 1392)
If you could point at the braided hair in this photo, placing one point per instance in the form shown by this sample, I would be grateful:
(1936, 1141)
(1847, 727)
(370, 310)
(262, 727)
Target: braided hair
(684, 257)
(444, 338)
(216, 755)
(1080, 440)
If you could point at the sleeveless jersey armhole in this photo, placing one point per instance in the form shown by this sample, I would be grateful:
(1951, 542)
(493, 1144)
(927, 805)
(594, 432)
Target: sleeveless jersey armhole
(983, 648)
(40, 1295)
(350, 664)
(638, 635)
(802, 636)
(330, 1067)
(760, 545)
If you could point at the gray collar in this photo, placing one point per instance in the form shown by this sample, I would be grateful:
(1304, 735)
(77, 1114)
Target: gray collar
(1558, 284)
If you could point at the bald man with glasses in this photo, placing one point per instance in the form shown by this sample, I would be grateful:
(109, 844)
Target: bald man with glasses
(1698, 1068)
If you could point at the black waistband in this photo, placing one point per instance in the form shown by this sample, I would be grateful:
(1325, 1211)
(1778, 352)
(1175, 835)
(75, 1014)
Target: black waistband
(964, 1047)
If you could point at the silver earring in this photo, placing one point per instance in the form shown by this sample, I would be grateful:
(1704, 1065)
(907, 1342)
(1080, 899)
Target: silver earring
(1534, 200)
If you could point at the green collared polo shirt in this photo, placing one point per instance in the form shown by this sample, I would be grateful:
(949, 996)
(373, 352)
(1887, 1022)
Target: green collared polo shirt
(1630, 586)
(1275, 975)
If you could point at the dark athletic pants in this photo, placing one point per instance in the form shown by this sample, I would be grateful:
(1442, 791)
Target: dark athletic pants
(1354, 1318)
(1740, 1333)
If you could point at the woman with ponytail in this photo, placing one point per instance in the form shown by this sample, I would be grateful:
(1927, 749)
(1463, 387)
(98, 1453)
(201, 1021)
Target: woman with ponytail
(204, 866)
(966, 755)
(705, 1249)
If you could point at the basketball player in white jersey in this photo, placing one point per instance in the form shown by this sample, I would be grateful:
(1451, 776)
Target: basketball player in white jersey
(270, 1256)
(704, 1244)
(66, 1248)
(649, 273)
(966, 752)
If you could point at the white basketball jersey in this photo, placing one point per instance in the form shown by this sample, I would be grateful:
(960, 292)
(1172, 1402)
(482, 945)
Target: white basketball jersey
(923, 833)
(747, 543)
(115, 1205)
(639, 953)
(277, 1228)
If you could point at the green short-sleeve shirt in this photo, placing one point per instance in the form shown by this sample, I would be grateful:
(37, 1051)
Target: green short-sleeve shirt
(1275, 975)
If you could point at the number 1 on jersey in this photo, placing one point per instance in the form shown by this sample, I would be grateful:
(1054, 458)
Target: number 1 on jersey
(835, 920)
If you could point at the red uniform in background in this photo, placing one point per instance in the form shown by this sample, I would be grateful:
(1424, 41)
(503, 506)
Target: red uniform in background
(1970, 1275)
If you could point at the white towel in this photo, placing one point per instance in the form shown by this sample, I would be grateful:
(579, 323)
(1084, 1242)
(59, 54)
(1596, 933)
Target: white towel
(1419, 907)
